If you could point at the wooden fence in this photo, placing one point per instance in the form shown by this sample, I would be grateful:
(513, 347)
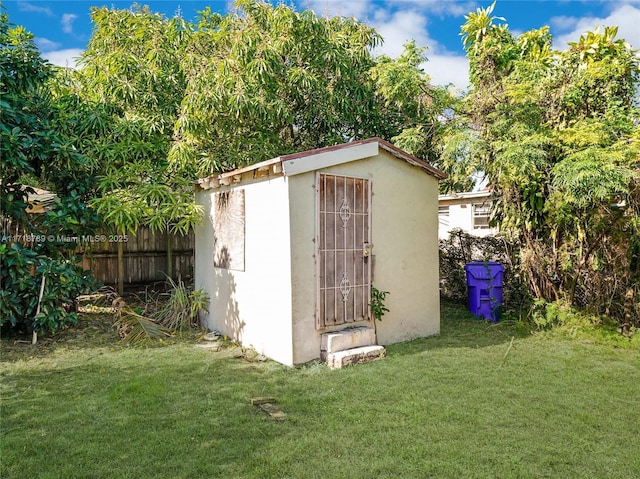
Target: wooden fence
(146, 256)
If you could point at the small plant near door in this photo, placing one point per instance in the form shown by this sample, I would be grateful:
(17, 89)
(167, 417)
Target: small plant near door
(377, 303)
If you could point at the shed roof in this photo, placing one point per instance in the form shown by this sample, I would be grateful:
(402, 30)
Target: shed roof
(311, 160)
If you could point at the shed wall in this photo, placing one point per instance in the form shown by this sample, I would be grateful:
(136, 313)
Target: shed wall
(405, 246)
(252, 306)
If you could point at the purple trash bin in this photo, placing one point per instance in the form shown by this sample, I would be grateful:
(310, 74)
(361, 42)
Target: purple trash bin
(484, 288)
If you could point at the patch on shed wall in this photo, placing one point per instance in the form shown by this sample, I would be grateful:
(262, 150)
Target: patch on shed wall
(228, 236)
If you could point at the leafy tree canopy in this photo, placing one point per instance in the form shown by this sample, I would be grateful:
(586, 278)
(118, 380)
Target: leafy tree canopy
(131, 85)
(269, 80)
(557, 134)
(39, 279)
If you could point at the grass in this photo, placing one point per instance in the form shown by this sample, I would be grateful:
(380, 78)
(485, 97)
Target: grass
(480, 400)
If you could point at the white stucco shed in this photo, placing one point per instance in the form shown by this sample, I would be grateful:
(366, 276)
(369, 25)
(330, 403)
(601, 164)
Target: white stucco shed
(290, 247)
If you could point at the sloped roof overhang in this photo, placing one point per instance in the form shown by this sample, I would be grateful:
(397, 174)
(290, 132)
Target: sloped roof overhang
(311, 160)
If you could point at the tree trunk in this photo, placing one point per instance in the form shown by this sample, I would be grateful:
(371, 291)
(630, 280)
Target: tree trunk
(169, 254)
(120, 268)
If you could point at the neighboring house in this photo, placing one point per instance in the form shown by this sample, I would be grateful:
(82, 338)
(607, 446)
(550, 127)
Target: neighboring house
(38, 201)
(468, 211)
(290, 247)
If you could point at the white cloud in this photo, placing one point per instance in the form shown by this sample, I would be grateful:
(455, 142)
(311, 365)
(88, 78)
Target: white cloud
(408, 22)
(44, 44)
(67, 22)
(440, 7)
(63, 58)
(564, 22)
(360, 9)
(625, 17)
(29, 7)
(398, 28)
(448, 69)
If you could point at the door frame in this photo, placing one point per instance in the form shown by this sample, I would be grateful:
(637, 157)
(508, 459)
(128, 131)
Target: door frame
(366, 249)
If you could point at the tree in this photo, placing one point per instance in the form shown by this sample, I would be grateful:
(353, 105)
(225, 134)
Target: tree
(558, 138)
(40, 278)
(421, 118)
(170, 101)
(132, 84)
(267, 81)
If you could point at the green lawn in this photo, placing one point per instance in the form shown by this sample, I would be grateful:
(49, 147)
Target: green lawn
(469, 403)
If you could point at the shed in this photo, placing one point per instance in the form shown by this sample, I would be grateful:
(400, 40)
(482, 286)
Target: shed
(290, 247)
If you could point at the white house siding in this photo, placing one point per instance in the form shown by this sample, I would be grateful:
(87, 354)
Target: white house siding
(404, 238)
(252, 306)
(460, 208)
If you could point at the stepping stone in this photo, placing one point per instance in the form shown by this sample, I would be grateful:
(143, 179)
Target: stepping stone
(212, 336)
(268, 406)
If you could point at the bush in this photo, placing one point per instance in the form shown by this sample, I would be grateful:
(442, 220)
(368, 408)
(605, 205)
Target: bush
(161, 315)
(182, 306)
(21, 281)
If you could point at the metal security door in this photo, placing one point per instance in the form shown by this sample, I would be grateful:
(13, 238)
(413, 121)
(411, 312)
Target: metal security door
(343, 241)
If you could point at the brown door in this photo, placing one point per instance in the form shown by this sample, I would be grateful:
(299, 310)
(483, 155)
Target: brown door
(343, 242)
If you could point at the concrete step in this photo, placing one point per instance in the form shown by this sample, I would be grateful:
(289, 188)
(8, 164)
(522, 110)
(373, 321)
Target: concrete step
(362, 354)
(348, 338)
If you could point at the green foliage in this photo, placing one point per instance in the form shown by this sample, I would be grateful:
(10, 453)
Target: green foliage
(378, 309)
(564, 321)
(131, 85)
(558, 139)
(37, 144)
(182, 306)
(420, 118)
(162, 101)
(161, 315)
(24, 111)
(268, 80)
(21, 274)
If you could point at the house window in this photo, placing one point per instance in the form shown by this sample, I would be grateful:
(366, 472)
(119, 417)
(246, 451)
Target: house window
(443, 215)
(480, 217)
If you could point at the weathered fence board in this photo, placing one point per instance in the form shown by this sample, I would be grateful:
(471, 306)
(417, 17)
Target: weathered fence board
(145, 257)
(145, 253)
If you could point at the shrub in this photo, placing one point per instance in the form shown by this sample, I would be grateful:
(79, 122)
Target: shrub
(563, 320)
(22, 290)
(161, 315)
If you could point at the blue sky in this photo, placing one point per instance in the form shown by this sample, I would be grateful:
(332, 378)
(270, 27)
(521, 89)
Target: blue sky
(63, 28)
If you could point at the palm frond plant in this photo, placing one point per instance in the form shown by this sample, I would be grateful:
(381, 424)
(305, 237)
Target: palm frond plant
(135, 328)
(180, 310)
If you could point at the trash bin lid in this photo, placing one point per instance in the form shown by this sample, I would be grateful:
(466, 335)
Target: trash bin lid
(483, 269)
